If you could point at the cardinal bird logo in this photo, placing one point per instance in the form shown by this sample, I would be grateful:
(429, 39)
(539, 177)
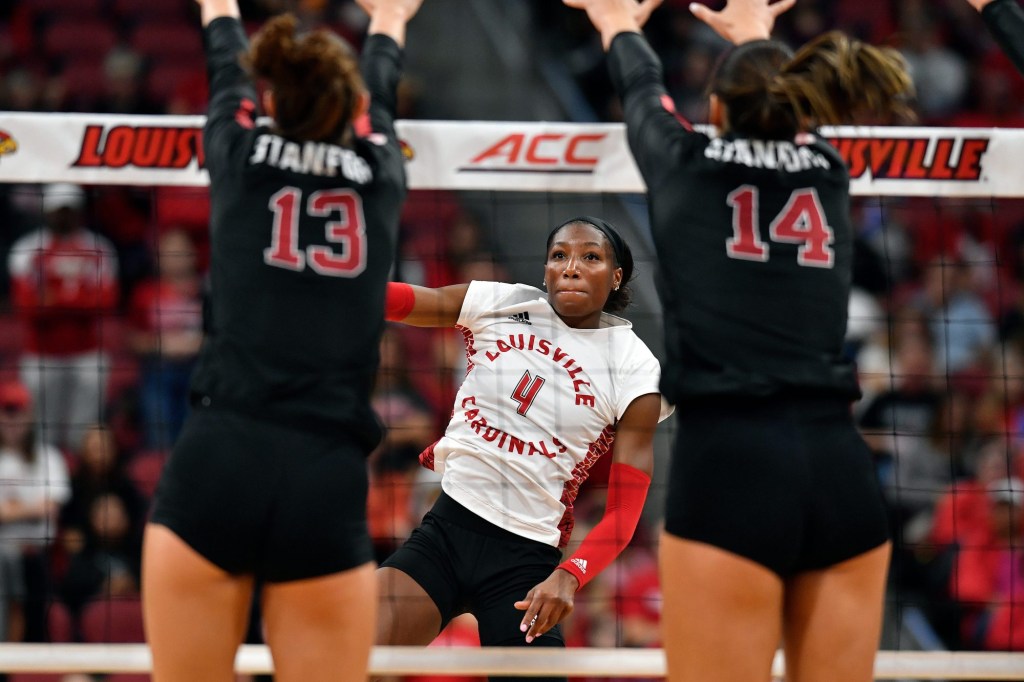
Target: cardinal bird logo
(407, 150)
(8, 145)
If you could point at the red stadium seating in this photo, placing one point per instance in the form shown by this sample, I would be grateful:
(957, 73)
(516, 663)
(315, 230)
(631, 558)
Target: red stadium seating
(188, 207)
(132, 10)
(66, 8)
(12, 340)
(59, 623)
(83, 80)
(82, 38)
(165, 78)
(144, 470)
(158, 40)
(113, 621)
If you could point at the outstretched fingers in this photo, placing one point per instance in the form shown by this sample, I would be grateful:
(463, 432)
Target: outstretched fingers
(644, 9)
(742, 20)
(780, 7)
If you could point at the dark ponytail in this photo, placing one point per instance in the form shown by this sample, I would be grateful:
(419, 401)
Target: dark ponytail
(771, 93)
(314, 78)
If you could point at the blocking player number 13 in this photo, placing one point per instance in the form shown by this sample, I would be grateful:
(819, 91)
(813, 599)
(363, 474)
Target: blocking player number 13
(345, 229)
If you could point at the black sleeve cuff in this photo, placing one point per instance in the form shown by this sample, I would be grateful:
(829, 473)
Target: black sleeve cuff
(380, 46)
(225, 34)
(381, 64)
(631, 60)
(1005, 20)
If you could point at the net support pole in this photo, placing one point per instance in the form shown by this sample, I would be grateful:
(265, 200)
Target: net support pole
(577, 662)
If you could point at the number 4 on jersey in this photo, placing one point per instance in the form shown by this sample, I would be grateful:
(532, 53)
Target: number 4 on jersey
(526, 391)
(801, 221)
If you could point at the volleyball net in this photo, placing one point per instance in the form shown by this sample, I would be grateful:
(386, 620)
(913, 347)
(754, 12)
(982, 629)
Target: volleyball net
(936, 327)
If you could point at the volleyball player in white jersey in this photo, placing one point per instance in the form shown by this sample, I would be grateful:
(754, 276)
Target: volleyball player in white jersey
(553, 379)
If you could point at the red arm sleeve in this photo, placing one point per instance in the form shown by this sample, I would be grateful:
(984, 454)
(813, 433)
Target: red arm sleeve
(398, 302)
(627, 490)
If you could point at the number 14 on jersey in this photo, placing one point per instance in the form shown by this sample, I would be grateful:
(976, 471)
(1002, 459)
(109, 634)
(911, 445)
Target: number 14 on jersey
(801, 221)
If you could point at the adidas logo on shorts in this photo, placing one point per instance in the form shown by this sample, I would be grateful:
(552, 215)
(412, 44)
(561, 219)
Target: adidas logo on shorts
(521, 317)
(581, 564)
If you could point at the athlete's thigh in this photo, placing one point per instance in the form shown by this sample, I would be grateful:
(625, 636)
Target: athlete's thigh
(318, 523)
(735, 482)
(505, 571)
(195, 613)
(321, 629)
(846, 513)
(217, 490)
(833, 619)
(430, 558)
(721, 613)
(406, 614)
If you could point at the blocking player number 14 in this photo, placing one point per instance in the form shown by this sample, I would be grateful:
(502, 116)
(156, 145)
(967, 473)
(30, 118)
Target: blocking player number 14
(801, 221)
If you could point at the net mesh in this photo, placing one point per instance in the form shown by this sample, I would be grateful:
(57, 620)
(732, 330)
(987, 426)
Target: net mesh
(936, 327)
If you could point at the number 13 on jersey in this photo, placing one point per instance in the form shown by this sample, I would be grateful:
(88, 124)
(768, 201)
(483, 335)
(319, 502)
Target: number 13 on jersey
(801, 221)
(348, 231)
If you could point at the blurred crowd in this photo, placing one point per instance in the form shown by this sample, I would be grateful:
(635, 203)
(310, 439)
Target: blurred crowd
(101, 322)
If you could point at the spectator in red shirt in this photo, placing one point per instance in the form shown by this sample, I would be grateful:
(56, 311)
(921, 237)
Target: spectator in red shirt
(63, 281)
(989, 574)
(166, 333)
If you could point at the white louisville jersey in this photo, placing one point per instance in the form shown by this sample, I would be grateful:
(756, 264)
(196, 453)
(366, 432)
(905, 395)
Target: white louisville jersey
(537, 408)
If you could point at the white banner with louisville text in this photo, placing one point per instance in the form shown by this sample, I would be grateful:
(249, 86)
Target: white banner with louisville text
(507, 156)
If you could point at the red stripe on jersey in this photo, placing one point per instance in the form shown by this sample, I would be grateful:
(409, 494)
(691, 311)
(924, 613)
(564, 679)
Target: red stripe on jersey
(244, 115)
(427, 457)
(362, 125)
(670, 107)
(470, 340)
(580, 472)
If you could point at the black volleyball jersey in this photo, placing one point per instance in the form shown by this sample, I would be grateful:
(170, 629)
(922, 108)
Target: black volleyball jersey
(303, 237)
(754, 245)
(1005, 19)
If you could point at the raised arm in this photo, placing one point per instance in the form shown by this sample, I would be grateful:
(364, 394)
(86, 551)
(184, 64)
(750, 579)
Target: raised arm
(214, 9)
(389, 17)
(1005, 20)
(423, 306)
(633, 461)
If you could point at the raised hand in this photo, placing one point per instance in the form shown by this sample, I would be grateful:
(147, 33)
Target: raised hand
(409, 6)
(643, 10)
(390, 16)
(743, 20)
(611, 17)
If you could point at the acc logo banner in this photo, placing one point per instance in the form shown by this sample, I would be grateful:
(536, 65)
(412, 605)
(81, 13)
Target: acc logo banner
(542, 152)
(139, 146)
(518, 156)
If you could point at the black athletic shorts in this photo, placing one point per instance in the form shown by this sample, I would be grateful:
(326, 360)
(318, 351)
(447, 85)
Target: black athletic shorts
(786, 482)
(255, 497)
(467, 564)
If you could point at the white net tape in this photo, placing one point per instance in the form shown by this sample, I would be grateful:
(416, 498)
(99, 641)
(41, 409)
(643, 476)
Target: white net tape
(582, 662)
